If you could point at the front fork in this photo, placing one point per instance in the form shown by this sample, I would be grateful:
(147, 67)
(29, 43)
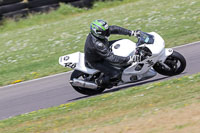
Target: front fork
(151, 73)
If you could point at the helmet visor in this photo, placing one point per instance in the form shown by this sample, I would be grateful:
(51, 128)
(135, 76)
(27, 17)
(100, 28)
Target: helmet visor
(105, 33)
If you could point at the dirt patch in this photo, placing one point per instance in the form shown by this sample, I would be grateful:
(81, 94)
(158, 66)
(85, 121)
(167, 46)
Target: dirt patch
(182, 120)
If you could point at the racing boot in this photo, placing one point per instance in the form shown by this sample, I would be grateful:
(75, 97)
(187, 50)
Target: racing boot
(104, 82)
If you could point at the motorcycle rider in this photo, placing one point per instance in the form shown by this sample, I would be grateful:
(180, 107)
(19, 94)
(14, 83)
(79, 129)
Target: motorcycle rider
(98, 55)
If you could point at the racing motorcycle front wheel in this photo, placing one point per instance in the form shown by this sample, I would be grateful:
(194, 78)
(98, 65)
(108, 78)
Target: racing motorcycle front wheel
(86, 91)
(173, 65)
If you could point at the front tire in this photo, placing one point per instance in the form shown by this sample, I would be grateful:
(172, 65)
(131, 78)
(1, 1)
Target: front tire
(86, 91)
(176, 64)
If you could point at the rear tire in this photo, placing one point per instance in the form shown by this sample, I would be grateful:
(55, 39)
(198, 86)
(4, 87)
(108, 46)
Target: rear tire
(7, 2)
(176, 62)
(17, 14)
(39, 3)
(86, 91)
(43, 9)
(12, 7)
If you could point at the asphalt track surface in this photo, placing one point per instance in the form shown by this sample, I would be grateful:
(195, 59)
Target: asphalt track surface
(55, 90)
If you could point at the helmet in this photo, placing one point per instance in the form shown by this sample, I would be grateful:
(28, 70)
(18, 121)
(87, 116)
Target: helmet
(100, 29)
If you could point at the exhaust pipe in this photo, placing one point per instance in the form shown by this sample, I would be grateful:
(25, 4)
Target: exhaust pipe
(82, 83)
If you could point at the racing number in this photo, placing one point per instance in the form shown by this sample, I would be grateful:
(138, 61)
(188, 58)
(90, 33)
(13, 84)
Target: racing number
(69, 64)
(66, 58)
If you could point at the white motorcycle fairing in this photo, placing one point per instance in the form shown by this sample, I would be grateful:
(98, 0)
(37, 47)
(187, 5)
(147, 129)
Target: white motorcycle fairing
(134, 73)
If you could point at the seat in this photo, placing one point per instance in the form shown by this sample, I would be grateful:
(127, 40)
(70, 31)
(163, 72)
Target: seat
(81, 65)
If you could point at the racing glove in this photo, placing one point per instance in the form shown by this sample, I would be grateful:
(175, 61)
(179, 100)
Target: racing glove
(136, 33)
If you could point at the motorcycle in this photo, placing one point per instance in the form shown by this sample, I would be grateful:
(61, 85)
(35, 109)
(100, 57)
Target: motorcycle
(156, 59)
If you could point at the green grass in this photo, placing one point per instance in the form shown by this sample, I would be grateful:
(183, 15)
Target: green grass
(112, 109)
(34, 45)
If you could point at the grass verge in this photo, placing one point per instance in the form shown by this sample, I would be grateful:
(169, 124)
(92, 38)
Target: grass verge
(34, 45)
(159, 107)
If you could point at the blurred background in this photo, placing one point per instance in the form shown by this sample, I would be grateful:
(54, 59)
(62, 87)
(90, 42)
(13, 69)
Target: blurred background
(35, 33)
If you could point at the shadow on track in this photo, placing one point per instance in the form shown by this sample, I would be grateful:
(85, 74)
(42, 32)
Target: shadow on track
(157, 78)
(121, 88)
(78, 98)
(134, 84)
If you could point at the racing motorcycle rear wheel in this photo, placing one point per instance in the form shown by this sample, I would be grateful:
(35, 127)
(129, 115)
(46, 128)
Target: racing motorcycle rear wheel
(86, 91)
(173, 65)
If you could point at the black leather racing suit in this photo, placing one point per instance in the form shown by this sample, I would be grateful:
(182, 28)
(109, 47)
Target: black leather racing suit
(98, 55)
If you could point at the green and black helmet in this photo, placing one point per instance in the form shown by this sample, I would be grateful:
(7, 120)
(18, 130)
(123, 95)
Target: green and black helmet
(100, 29)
